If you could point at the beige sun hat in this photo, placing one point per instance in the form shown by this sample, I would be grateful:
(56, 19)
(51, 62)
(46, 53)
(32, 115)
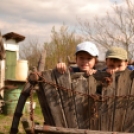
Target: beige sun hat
(117, 52)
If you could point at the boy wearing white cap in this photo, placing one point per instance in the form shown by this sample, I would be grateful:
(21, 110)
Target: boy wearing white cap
(86, 58)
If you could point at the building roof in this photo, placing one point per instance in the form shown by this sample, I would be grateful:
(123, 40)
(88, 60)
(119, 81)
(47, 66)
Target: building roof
(14, 36)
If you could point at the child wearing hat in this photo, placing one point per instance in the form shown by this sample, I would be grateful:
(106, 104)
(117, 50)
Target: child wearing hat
(116, 59)
(86, 58)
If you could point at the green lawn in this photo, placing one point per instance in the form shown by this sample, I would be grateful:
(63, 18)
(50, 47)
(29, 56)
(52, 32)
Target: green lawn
(6, 120)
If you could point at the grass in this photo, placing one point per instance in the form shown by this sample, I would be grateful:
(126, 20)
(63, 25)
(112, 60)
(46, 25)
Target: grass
(6, 120)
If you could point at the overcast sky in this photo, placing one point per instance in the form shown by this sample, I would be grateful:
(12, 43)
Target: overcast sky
(35, 18)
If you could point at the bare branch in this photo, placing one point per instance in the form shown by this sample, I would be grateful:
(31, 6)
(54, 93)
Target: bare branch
(117, 29)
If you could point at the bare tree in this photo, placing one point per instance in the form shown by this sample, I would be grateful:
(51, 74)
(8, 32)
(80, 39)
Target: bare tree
(116, 28)
(31, 51)
(62, 44)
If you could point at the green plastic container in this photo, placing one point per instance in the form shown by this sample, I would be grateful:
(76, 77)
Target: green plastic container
(10, 62)
(11, 99)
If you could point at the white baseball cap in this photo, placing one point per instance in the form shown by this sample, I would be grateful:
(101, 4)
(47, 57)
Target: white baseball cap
(88, 47)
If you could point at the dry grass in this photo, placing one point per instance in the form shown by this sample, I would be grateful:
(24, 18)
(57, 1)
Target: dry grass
(6, 120)
(5, 124)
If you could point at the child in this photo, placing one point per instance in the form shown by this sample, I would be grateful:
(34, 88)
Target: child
(116, 59)
(86, 58)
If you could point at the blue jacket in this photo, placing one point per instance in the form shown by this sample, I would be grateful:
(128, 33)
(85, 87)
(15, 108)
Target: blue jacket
(130, 67)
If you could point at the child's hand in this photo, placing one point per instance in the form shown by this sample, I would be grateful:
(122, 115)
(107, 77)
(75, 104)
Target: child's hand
(90, 72)
(111, 71)
(61, 67)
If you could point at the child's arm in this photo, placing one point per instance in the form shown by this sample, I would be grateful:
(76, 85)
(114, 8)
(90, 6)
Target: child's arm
(91, 72)
(61, 67)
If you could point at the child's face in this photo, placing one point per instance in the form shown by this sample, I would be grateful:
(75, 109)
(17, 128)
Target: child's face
(116, 65)
(85, 61)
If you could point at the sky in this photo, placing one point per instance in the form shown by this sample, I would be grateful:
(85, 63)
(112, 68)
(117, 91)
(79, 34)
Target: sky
(34, 19)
